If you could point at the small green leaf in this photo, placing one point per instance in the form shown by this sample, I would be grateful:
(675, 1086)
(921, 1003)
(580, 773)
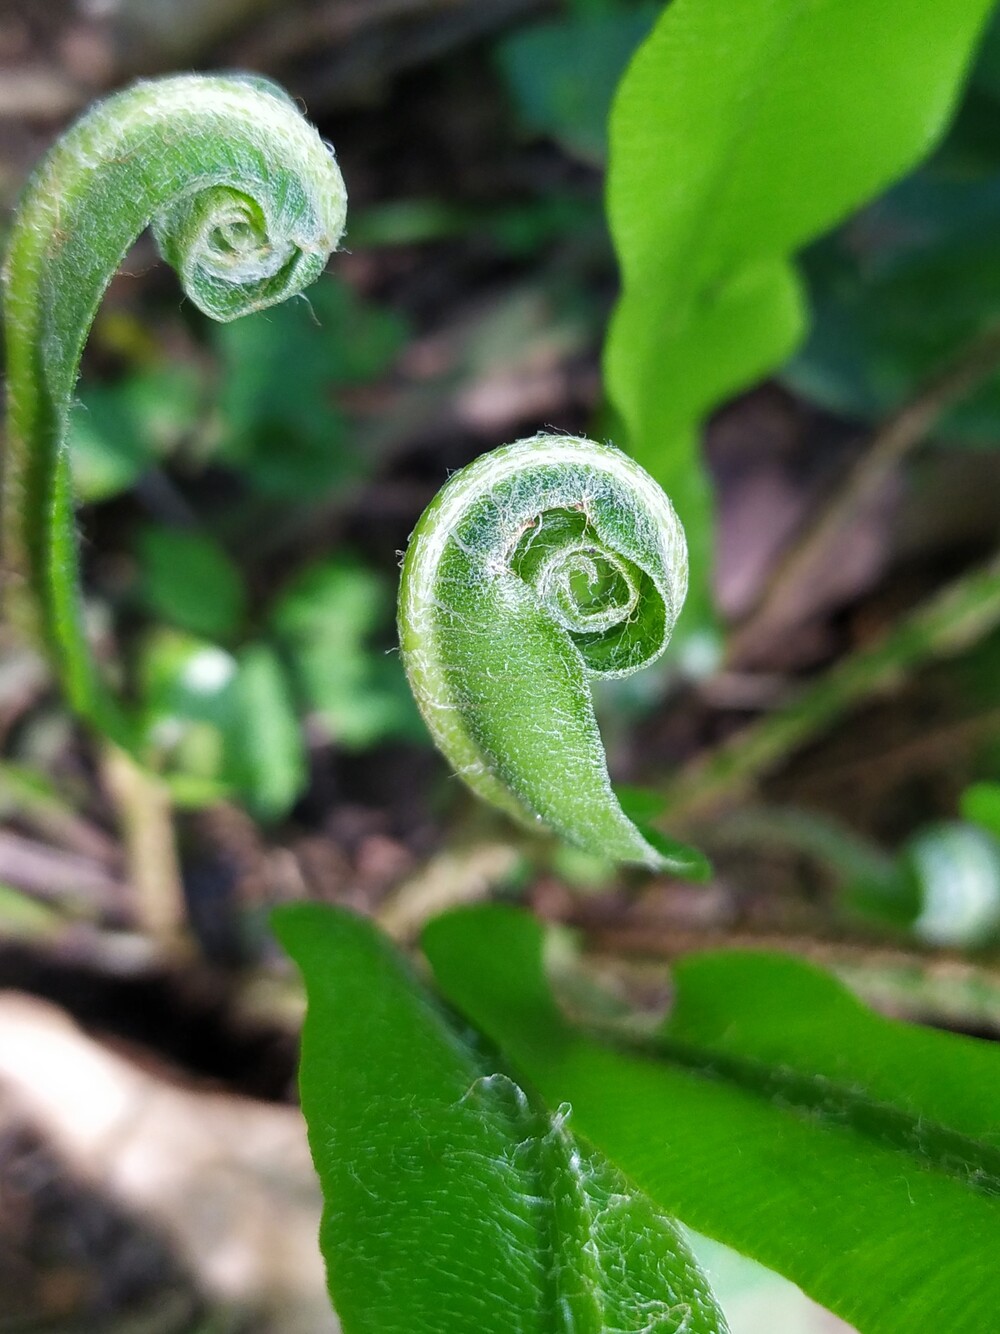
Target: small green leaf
(455, 1202)
(981, 804)
(117, 431)
(856, 1155)
(265, 754)
(187, 710)
(562, 75)
(188, 580)
(222, 724)
(324, 624)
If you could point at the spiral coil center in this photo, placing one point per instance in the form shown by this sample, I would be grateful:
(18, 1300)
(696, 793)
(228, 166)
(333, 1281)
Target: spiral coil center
(587, 588)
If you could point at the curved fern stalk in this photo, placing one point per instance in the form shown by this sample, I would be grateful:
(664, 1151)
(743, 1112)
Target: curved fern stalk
(539, 566)
(246, 202)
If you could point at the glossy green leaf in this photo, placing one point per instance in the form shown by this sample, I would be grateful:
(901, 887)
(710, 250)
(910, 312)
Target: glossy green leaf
(453, 1201)
(902, 286)
(188, 579)
(856, 1155)
(740, 132)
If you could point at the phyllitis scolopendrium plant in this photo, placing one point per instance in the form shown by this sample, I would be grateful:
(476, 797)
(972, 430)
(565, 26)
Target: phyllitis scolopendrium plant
(565, 553)
(773, 1110)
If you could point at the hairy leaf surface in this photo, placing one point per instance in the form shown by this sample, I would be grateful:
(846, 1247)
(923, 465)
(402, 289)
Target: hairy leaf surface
(453, 1201)
(858, 1156)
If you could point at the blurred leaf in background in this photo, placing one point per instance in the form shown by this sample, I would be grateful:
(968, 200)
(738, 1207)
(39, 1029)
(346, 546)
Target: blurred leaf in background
(118, 430)
(901, 287)
(562, 75)
(220, 724)
(188, 580)
(275, 418)
(265, 753)
(981, 805)
(187, 688)
(279, 423)
(226, 721)
(324, 624)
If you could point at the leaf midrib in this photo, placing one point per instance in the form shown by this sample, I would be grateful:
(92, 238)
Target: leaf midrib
(951, 1153)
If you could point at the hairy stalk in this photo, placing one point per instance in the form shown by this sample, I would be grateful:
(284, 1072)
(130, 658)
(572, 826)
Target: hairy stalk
(246, 202)
(904, 430)
(946, 624)
(538, 567)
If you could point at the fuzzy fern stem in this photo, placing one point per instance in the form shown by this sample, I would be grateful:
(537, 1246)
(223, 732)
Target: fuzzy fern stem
(246, 202)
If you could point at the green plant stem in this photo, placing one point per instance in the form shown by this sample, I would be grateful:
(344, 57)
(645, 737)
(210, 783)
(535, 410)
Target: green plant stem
(898, 436)
(246, 202)
(946, 624)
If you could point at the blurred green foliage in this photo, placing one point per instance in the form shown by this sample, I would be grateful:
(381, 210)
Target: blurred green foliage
(188, 580)
(119, 430)
(278, 419)
(941, 889)
(902, 286)
(220, 724)
(562, 75)
(232, 722)
(263, 403)
(323, 624)
(981, 805)
(225, 685)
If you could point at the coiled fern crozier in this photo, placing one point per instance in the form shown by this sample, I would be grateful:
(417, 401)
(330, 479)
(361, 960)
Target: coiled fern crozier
(538, 567)
(246, 203)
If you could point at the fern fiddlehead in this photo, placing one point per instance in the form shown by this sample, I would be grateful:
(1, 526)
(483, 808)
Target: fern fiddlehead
(246, 203)
(539, 566)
